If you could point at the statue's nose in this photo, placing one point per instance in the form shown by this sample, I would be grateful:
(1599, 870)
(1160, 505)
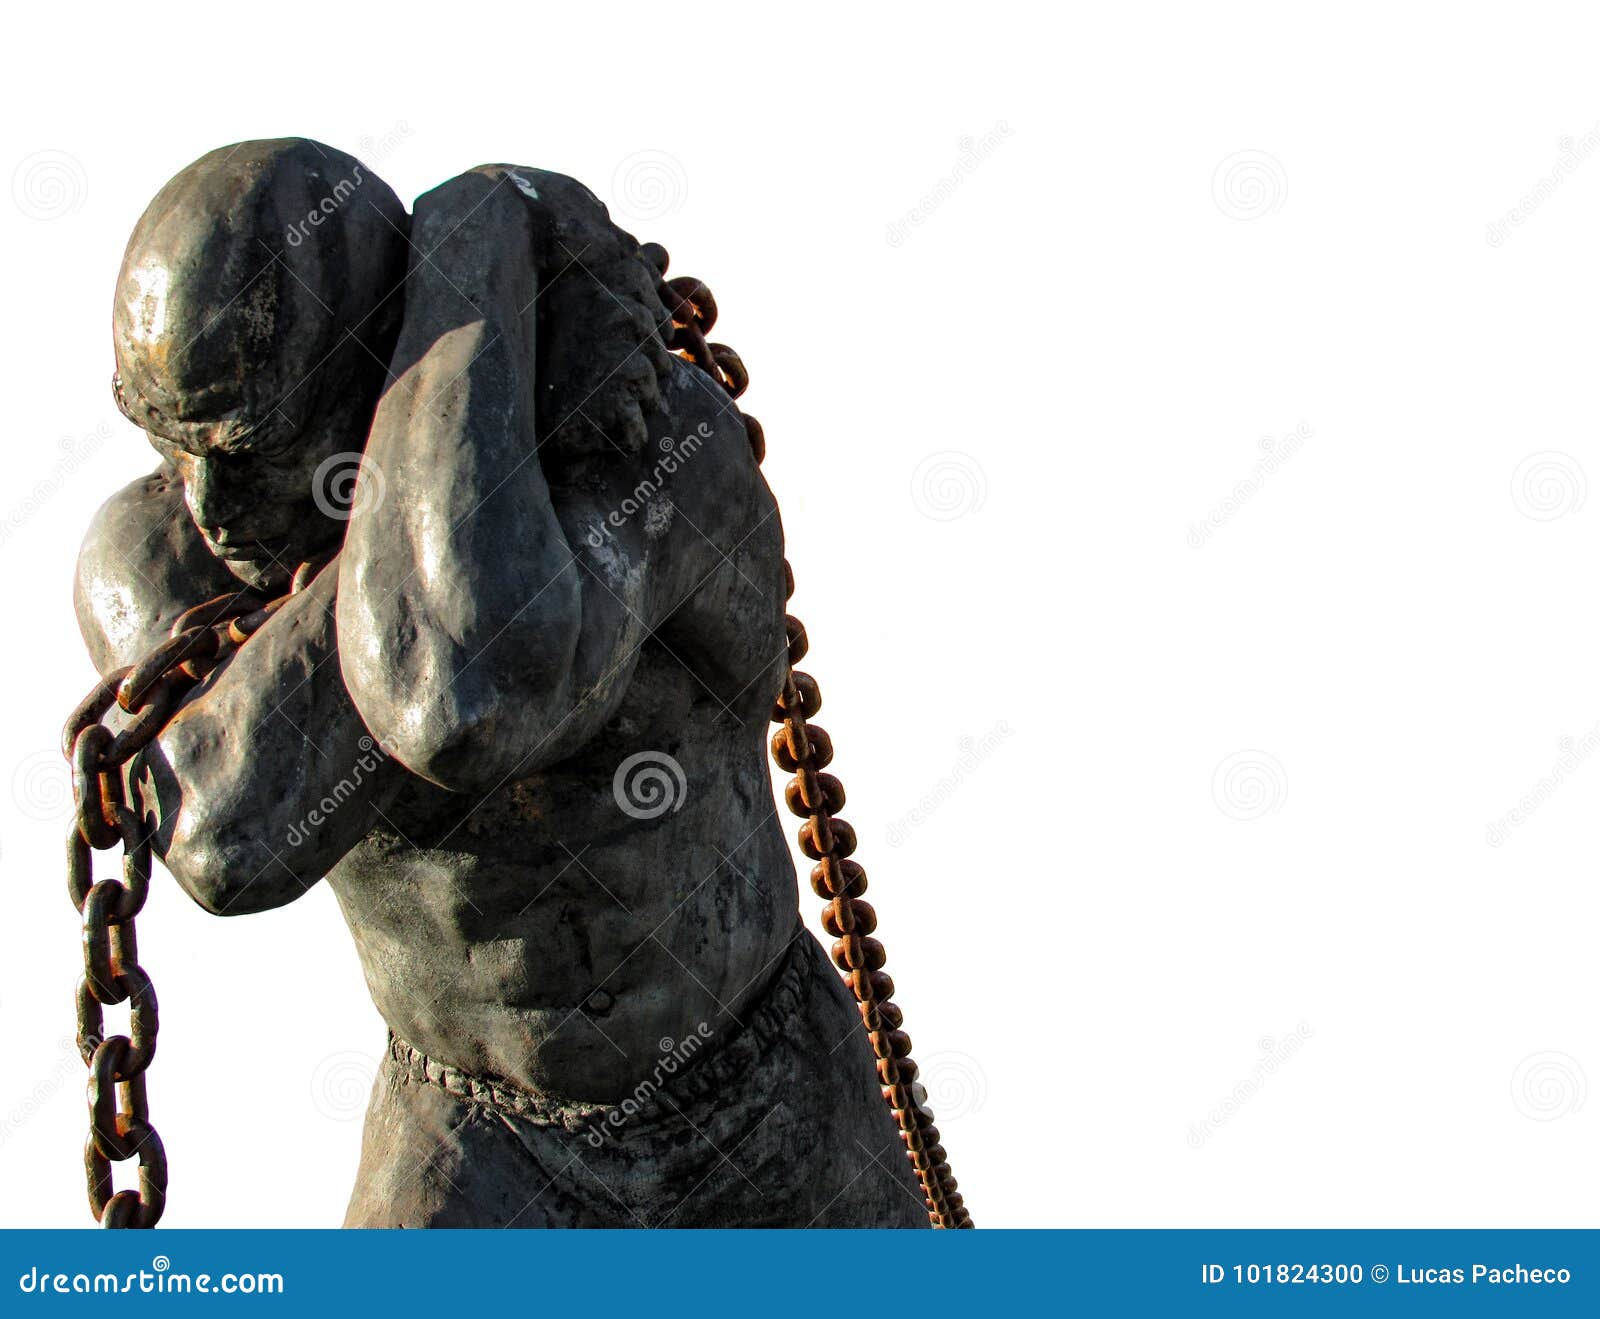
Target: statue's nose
(212, 499)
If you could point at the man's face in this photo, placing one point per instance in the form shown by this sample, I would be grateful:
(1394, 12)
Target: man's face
(251, 343)
(268, 502)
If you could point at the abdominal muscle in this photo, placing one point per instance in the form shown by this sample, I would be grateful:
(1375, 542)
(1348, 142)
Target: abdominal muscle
(566, 967)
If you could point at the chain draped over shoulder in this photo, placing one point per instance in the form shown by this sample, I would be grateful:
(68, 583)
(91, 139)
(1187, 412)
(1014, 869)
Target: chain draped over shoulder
(663, 316)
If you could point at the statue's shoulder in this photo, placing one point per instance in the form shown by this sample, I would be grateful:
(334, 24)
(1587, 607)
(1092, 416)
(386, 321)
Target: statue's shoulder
(142, 563)
(563, 200)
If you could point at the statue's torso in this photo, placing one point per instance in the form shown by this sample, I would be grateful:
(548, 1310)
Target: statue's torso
(544, 935)
(539, 933)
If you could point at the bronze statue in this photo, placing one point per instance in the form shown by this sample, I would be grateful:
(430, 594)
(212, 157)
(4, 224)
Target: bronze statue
(515, 711)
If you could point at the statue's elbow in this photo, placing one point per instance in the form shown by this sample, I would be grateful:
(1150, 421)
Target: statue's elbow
(466, 726)
(232, 874)
(463, 696)
(460, 750)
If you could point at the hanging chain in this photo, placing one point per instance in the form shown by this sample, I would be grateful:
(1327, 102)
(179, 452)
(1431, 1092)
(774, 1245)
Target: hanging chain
(202, 637)
(805, 751)
(150, 693)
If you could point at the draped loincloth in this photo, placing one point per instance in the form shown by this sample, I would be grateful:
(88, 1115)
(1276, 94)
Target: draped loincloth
(775, 1122)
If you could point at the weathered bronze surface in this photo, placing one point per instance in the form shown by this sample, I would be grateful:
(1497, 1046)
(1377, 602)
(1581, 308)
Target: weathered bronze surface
(506, 691)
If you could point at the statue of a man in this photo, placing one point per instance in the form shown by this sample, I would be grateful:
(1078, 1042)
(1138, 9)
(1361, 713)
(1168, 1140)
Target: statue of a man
(517, 722)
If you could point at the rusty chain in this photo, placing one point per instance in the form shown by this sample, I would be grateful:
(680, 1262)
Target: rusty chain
(149, 692)
(805, 750)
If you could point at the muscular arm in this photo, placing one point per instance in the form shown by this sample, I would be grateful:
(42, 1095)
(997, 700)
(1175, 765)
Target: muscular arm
(266, 775)
(142, 564)
(491, 623)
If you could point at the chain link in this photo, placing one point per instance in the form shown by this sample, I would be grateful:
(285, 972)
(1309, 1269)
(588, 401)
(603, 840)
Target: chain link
(805, 750)
(203, 636)
(150, 693)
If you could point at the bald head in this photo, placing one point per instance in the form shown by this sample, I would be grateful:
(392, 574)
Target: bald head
(244, 283)
(255, 315)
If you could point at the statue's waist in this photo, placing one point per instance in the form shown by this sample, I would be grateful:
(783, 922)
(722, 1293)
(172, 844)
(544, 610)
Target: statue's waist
(706, 1059)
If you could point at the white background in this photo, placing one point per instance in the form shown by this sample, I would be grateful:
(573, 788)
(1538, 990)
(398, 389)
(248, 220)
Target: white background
(1215, 933)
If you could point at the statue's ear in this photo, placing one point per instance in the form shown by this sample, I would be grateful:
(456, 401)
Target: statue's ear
(131, 406)
(117, 393)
